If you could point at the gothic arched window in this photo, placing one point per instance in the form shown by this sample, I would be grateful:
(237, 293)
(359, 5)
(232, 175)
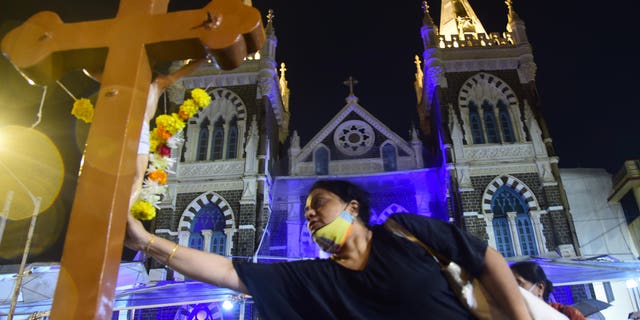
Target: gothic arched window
(476, 124)
(217, 141)
(321, 160)
(209, 217)
(490, 123)
(203, 140)
(505, 123)
(506, 200)
(232, 139)
(389, 157)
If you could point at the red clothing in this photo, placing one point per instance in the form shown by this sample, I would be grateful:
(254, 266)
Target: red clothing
(569, 311)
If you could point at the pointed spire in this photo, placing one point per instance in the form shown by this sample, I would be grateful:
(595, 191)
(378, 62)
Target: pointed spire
(427, 20)
(458, 18)
(418, 84)
(512, 15)
(270, 15)
(284, 87)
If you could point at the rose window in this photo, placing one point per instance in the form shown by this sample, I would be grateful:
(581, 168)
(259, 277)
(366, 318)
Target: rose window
(354, 137)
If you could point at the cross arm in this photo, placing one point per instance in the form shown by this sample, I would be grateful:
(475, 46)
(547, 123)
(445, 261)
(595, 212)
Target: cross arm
(44, 47)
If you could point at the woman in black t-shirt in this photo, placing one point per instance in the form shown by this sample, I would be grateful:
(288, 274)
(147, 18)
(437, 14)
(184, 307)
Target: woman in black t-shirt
(371, 274)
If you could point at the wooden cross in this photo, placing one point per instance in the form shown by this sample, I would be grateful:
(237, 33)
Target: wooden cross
(350, 82)
(44, 48)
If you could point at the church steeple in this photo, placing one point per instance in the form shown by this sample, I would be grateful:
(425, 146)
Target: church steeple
(429, 30)
(269, 49)
(458, 18)
(515, 25)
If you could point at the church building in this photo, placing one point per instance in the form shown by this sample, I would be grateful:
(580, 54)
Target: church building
(480, 157)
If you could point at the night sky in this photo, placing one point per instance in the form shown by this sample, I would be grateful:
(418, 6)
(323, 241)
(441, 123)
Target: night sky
(584, 65)
(584, 78)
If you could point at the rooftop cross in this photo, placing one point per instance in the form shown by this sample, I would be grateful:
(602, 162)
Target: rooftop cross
(143, 32)
(350, 82)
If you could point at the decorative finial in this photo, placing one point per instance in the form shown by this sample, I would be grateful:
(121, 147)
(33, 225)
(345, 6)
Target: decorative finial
(270, 16)
(509, 5)
(417, 62)
(425, 6)
(282, 69)
(350, 82)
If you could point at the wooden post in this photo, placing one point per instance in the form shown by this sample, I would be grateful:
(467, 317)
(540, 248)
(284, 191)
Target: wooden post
(44, 48)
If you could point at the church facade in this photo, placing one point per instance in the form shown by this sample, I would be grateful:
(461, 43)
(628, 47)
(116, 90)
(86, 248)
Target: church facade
(481, 156)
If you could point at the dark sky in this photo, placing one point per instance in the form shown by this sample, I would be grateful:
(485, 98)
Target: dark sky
(584, 76)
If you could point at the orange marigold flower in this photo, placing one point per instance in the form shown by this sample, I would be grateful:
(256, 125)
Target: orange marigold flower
(159, 176)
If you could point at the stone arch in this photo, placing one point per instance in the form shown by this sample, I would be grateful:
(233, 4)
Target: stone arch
(224, 103)
(209, 197)
(485, 86)
(513, 182)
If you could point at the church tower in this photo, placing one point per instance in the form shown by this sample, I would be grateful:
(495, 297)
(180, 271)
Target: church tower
(481, 118)
(219, 195)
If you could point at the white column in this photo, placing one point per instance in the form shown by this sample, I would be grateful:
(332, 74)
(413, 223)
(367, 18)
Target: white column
(206, 244)
(229, 232)
(534, 215)
(488, 218)
(511, 216)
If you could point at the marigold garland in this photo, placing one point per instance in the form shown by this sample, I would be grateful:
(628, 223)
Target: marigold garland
(162, 140)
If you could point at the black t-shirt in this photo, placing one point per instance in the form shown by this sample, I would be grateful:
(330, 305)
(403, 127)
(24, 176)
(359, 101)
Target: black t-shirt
(400, 279)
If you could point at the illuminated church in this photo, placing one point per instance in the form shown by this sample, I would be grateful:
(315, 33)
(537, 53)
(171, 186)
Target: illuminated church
(481, 156)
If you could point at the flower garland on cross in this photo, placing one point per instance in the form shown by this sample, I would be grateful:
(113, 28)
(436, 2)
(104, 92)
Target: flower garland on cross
(163, 138)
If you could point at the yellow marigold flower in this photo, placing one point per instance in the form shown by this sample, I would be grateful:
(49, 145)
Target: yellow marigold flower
(154, 141)
(201, 97)
(189, 108)
(159, 176)
(83, 110)
(143, 210)
(171, 123)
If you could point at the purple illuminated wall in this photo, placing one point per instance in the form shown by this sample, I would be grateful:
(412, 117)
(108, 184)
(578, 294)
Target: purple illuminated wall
(417, 191)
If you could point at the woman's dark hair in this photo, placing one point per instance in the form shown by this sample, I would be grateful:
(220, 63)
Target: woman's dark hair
(533, 273)
(348, 191)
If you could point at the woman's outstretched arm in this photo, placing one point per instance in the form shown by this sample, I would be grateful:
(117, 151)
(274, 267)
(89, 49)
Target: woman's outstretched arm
(204, 266)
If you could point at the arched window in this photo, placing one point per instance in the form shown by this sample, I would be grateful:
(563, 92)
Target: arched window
(217, 141)
(505, 123)
(476, 124)
(321, 160)
(389, 157)
(506, 200)
(203, 140)
(209, 217)
(232, 139)
(490, 123)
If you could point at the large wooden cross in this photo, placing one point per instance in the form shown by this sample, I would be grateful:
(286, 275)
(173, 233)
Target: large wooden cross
(143, 32)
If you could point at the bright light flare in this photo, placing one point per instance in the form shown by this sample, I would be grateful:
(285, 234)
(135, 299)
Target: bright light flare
(227, 305)
(30, 166)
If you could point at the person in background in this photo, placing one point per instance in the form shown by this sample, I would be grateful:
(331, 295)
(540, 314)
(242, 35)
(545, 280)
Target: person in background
(371, 274)
(532, 277)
